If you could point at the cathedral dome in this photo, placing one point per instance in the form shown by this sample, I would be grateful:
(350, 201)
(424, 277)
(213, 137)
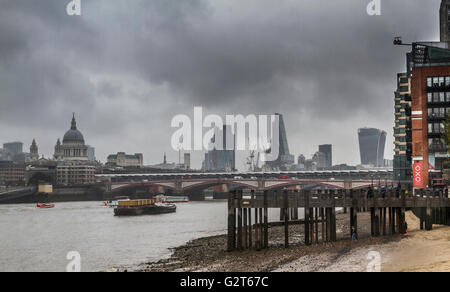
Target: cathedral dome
(73, 135)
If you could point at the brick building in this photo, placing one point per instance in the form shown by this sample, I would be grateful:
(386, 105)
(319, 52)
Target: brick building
(430, 95)
(11, 173)
(69, 173)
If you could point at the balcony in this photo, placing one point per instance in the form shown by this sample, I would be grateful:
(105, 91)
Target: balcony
(438, 116)
(438, 148)
(434, 132)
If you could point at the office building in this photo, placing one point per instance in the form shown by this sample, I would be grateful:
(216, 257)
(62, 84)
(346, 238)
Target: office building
(402, 129)
(371, 146)
(122, 159)
(71, 173)
(285, 159)
(328, 151)
(430, 94)
(444, 19)
(221, 159)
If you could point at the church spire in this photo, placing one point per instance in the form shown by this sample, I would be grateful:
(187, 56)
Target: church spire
(74, 123)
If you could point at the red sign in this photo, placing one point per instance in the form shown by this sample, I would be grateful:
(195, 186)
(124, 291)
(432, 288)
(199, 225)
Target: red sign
(418, 174)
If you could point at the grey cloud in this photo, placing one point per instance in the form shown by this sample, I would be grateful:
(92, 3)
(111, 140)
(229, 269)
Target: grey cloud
(318, 62)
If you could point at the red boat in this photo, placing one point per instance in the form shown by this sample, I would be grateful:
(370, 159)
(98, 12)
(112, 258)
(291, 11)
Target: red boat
(46, 206)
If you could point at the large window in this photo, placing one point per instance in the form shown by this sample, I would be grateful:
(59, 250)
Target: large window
(438, 81)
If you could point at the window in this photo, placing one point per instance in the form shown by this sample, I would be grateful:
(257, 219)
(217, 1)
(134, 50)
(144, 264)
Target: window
(441, 81)
(429, 81)
(447, 96)
(430, 97)
(442, 96)
(436, 97)
(447, 81)
(435, 81)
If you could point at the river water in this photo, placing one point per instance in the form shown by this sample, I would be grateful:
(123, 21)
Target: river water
(39, 240)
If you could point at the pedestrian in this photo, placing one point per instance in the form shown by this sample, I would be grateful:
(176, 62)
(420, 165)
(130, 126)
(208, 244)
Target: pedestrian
(354, 234)
(406, 229)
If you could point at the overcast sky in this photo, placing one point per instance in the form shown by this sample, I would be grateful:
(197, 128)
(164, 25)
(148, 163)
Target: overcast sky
(127, 67)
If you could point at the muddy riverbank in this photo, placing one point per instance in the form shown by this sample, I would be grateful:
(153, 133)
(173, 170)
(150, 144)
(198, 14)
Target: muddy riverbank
(396, 253)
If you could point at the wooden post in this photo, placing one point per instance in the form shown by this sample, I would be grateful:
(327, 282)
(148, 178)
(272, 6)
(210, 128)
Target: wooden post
(245, 228)
(333, 225)
(383, 210)
(317, 225)
(257, 247)
(393, 223)
(266, 220)
(250, 229)
(261, 228)
(307, 219)
(353, 220)
(231, 222)
(422, 218)
(322, 215)
(286, 219)
(328, 223)
(239, 220)
(372, 221)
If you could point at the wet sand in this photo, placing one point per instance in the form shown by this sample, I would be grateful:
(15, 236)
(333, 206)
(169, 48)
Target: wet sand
(421, 251)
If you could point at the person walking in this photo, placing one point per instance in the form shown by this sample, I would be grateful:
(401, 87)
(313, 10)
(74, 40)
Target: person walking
(354, 234)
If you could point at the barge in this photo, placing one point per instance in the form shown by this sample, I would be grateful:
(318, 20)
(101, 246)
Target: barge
(143, 207)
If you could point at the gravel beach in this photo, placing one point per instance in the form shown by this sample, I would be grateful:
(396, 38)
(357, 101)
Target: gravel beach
(421, 251)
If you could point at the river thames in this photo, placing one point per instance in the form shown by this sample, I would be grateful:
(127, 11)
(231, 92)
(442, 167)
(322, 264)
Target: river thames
(39, 239)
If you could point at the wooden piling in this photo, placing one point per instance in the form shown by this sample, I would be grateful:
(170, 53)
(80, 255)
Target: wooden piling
(261, 228)
(333, 225)
(286, 219)
(317, 224)
(231, 222)
(322, 215)
(239, 227)
(266, 220)
(307, 219)
(257, 247)
(245, 231)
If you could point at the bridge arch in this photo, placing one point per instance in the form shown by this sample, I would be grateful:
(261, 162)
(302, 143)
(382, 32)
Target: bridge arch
(202, 185)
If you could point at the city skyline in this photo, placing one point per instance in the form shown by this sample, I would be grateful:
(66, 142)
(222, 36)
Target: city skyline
(115, 102)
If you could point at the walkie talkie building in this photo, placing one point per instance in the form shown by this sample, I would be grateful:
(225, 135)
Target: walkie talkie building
(371, 146)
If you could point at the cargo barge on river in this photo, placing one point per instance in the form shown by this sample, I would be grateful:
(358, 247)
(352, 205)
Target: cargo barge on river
(143, 207)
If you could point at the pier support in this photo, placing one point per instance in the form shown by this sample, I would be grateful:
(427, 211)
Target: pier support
(307, 220)
(286, 219)
(231, 222)
(266, 220)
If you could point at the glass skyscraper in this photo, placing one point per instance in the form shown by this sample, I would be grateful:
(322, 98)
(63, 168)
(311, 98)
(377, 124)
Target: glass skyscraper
(371, 146)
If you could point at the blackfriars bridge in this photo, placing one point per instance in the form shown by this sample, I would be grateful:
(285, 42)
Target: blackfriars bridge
(191, 183)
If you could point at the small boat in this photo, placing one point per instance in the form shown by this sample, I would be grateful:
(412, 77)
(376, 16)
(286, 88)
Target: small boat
(143, 207)
(45, 206)
(172, 199)
(114, 203)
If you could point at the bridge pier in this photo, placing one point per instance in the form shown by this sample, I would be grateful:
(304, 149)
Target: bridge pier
(353, 221)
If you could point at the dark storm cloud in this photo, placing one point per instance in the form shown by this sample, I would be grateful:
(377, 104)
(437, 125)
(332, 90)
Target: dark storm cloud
(318, 62)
